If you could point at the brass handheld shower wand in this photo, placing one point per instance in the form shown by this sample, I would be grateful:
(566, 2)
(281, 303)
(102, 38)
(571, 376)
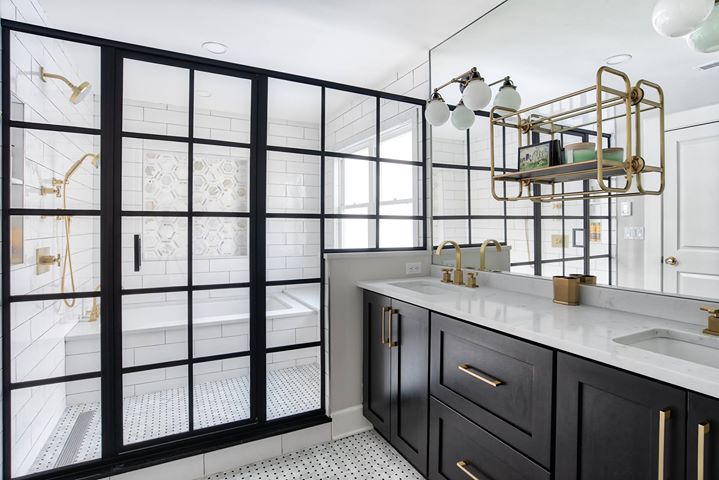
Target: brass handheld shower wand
(67, 260)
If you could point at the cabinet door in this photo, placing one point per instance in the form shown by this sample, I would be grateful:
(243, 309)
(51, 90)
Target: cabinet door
(377, 363)
(702, 438)
(409, 330)
(611, 425)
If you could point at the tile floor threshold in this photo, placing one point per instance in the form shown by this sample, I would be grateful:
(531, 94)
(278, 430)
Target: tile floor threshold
(364, 456)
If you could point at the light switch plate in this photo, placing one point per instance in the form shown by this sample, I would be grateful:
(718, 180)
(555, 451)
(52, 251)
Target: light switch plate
(625, 209)
(413, 268)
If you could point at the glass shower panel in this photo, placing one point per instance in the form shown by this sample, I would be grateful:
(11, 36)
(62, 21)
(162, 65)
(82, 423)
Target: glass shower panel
(221, 390)
(154, 252)
(220, 321)
(400, 233)
(222, 107)
(349, 233)
(350, 122)
(457, 230)
(56, 254)
(293, 314)
(294, 114)
(294, 382)
(483, 203)
(350, 186)
(449, 145)
(154, 328)
(154, 175)
(155, 98)
(400, 189)
(293, 248)
(54, 338)
(449, 192)
(487, 229)
(54, 426)
(221, 179)
(293, 183)
(56, 81)
(52, 170)
(220, 250)
(154, 404)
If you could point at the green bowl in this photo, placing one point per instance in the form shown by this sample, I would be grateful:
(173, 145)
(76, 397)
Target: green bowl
(584, 155)
(613, 154)
(580, 152)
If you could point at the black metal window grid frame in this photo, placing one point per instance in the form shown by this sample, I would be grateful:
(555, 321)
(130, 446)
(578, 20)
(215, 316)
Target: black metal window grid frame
(117, 457)
(537, 216)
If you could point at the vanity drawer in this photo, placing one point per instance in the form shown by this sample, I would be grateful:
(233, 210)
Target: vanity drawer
(502, 384)
(454, 439)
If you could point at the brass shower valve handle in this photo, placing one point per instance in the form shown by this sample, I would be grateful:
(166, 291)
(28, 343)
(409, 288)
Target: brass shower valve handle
(56, 188)
(49, 260)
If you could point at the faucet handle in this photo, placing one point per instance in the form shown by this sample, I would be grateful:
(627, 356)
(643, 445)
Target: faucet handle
(713, 311)
(446, 275)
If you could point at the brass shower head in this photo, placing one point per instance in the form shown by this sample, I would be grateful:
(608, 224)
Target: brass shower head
(78, 91)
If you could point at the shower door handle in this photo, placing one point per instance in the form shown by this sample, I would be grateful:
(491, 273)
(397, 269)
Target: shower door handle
(137, 249)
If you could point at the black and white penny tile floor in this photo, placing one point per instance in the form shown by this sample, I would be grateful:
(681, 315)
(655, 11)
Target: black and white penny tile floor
(365, 456)
(77, 435)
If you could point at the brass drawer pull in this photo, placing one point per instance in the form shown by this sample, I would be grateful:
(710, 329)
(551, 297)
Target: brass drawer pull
(463, 465)
(391, 343)
(702, 432)
(384, 320)
(469, 371)
(664, 416)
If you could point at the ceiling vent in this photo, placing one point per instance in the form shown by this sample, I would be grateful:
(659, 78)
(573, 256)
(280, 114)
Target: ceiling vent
(709, 66)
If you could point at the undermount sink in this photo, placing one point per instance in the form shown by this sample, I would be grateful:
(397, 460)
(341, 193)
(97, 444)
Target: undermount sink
(702, 349)
(421, 286)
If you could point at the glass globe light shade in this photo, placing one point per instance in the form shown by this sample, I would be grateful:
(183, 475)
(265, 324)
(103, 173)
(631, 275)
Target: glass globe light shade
(477, 94)
(437, 112)
(705, 39)
(508, 97)
(462, 117)
(676, 18)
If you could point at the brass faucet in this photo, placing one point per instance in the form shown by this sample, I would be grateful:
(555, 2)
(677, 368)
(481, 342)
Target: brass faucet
(483, 253)
(713, 320)
(458, 278)
(94, 312)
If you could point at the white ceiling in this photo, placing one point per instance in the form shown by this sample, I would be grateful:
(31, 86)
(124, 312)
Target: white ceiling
(553, 47)
(355, 42)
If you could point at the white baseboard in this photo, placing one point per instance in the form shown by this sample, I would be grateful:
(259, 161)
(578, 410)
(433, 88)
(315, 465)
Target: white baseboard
(349, 421)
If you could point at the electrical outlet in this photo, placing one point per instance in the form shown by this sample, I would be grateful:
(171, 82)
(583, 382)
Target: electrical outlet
(413, 268)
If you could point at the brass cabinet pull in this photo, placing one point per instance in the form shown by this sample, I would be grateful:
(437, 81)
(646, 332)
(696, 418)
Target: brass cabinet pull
(489, 381)
(702, 432)
(384, 320)
(462, 465)
(391, 343)
(664, 416)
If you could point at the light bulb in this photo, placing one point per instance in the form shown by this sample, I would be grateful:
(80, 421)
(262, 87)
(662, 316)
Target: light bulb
(676, 18)
(508, 97)
(437, 112)
(462, 117)
(705, 39)
(477, 94)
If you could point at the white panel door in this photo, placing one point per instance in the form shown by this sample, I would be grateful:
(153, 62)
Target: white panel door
(691, 212)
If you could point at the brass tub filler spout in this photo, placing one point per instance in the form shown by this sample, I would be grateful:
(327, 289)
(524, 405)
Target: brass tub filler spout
(458, 278)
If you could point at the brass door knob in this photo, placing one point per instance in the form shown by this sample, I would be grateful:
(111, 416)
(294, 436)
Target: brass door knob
(671, 261)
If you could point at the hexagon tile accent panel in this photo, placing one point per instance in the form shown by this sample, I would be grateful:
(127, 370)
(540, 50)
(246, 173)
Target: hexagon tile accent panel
(220, 182)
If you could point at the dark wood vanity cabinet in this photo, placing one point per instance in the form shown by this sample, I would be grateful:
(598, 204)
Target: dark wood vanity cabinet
(702, 437)
(613, 425)
(396, 374)
(503, 384)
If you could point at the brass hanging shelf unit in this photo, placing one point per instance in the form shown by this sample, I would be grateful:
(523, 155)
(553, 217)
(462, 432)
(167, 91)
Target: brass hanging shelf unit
(631, 101)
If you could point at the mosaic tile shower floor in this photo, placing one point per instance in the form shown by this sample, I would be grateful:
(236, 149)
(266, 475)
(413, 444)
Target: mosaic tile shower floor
(365, 456)
(289, 391)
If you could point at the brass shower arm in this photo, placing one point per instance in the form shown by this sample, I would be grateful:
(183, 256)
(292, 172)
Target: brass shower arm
(44, 75)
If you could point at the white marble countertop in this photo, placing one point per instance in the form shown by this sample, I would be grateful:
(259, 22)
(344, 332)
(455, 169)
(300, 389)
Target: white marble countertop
(586, 331)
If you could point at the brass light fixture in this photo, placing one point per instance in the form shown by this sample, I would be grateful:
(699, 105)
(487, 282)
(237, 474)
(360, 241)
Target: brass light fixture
(79, 92)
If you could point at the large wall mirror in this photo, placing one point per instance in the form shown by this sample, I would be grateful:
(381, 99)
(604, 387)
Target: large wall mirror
(667, 243)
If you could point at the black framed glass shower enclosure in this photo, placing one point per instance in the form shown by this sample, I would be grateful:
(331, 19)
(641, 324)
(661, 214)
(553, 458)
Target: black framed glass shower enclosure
(164, 219)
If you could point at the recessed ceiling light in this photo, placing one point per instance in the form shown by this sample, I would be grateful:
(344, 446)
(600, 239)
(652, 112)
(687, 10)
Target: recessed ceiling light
(203, 93)
(215, 47)
(617, 59)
